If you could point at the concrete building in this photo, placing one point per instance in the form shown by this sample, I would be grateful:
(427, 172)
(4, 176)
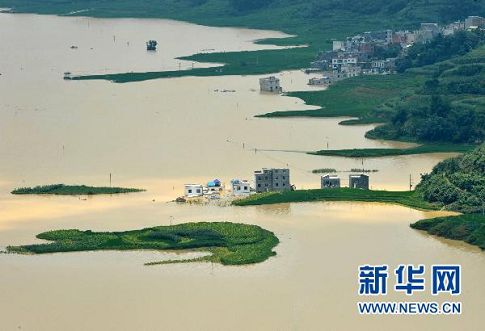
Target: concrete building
(433, 27)
(351, 71)
(270, 84)
(340, 61)
(389, 34)
(453, 27)
(330, 181)
(240, 187)
(359, 181)
(427, 32)
(474, 21)
(268, 180)
(338, 45)
(193, 190)
(325, 80)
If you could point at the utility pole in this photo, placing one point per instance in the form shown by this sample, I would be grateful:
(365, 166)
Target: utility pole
(110, 179)
(410, 182)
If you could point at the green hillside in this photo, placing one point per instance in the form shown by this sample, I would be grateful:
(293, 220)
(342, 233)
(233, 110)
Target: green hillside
(457, 183)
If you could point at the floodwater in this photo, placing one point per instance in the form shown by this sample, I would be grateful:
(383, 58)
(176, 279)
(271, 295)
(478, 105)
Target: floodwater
(161, 134)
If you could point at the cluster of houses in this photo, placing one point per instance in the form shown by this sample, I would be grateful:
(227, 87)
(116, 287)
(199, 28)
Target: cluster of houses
(266, 180)
(365, 53)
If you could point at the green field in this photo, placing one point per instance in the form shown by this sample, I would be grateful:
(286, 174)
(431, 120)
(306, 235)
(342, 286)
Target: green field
(227, 243)
(61, 189)
(368, 99)
(469, 228)
(405, 198)
(381, 152)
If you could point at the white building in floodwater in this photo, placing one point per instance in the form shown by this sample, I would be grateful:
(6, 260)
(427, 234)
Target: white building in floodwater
(270, 84)
(240, 187)
(193, 190)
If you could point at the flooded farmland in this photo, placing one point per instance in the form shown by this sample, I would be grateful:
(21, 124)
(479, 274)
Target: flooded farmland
(160, 134)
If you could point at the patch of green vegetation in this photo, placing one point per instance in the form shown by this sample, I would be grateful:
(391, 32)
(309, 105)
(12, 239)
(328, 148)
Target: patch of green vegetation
(457, 183)
(363, 170)
(324, 171)
(381, 152)
(332, 170)
(405, 198)
(469, 228)
(228, 243)
(366, 97)
(61, 189)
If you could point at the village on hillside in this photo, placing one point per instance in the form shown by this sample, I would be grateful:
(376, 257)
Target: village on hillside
(376, 52)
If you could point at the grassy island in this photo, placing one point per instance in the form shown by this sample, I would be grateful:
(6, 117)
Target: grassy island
(406, 198)
(469, 228)
(381, 152)
(228, 243)
(61, 189)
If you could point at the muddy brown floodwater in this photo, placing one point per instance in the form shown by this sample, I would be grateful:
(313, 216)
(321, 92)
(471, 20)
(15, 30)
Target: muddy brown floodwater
(159, 135)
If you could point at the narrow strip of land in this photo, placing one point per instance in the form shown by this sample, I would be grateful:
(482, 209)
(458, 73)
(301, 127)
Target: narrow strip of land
(405, 198)
(381, 152)
(61, 189)
(469, 228)
(235, 63)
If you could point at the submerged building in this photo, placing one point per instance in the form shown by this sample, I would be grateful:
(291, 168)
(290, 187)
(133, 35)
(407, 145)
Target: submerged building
(330, 181)
(240, 187)
(268, 180)
(270, 84)
(359, 181)
(193, 190)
